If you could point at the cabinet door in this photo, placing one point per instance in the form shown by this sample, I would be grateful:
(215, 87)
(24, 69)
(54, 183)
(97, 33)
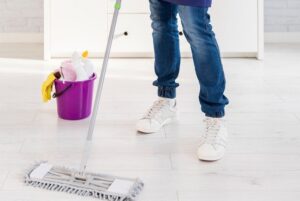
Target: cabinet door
(130, 6)
(137, 39)
(236, 25)
(77, 25)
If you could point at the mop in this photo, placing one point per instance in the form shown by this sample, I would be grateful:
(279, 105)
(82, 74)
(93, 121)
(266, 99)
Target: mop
(81, 182)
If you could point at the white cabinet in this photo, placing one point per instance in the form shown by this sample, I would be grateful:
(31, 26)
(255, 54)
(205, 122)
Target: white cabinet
(135, 38)
(77, 25)
(130, 6)
(236, 25)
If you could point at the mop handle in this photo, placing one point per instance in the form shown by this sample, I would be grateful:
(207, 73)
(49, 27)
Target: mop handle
(88, 145)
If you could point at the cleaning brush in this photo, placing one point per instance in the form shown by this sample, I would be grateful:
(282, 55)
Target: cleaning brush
(81, 182)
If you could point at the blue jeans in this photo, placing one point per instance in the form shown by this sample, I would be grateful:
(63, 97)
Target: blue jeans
(206, 55)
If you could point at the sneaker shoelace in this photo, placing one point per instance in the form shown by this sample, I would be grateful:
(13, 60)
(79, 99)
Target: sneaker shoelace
(156, 108)
(211, 131)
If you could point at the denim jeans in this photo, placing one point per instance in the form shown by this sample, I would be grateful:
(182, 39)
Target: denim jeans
(206, 55)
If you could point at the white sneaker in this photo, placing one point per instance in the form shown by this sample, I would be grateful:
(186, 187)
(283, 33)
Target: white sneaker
(214, 140)
(162, 112)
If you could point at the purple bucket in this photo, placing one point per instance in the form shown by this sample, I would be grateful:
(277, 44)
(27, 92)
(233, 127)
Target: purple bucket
(74, 99)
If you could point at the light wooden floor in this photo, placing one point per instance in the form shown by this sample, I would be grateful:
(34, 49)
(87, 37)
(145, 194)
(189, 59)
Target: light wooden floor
(263, 158)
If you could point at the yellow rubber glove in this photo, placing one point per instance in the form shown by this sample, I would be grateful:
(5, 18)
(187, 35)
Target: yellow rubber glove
(47, 87)
(85, 54)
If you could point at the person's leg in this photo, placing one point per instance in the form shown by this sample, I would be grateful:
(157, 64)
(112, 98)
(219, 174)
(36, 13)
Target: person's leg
(209, 70)
(167, 62)
(166, 46)
(207, 60)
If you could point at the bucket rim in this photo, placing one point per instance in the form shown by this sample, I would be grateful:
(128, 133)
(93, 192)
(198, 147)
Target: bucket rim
(94, 76)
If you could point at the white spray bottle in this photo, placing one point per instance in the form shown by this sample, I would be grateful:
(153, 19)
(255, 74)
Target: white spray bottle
(78, 65)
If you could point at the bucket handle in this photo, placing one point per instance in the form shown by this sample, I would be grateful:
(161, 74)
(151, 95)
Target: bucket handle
(58, 94)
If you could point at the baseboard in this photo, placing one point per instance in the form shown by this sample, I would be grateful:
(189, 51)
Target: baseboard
(151, 55)
(21, 37)
(282, 37)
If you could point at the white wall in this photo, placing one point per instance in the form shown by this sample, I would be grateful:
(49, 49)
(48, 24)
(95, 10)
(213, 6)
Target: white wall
(21, 16)
(282, 15)
(27, 16)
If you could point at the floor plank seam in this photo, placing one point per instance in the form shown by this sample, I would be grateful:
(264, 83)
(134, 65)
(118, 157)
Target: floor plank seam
(4, 180)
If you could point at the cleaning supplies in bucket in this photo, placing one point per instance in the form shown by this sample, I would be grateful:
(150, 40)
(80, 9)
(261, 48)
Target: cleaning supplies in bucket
(79, 68)
(74, 82)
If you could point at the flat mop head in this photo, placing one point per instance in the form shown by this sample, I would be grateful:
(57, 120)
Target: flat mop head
(105, 187)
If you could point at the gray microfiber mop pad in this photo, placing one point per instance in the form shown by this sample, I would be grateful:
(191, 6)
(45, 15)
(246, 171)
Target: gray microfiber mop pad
(61, 179)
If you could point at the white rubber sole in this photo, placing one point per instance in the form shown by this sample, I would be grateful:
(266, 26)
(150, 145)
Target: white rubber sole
(154, 130)
(210, 158)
